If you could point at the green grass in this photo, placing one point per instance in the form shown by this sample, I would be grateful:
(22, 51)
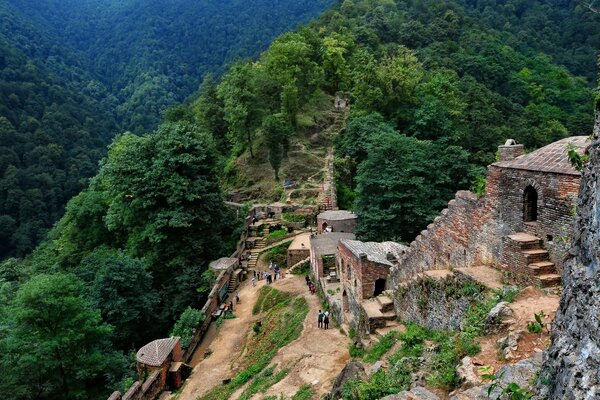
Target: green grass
(263, 382)
(268, 298)
(278, 233)
(277, 255)
(281, 325)
(355, 352)
(304, 393)
(381, 347)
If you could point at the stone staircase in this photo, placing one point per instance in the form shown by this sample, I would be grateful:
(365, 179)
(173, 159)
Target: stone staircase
(380, 314)
(258, 247)
(232, 284)
(535, 259)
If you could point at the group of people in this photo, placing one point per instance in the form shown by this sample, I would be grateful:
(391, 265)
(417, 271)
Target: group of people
(323, 319)
(310, 284)
(270, 276)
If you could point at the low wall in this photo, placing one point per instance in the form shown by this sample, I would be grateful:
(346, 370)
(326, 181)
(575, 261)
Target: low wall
(464, 234)
(438, 303)
(141, 391)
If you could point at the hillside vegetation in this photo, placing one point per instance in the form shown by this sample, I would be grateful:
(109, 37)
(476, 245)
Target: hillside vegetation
(434, 88)
(74, 73)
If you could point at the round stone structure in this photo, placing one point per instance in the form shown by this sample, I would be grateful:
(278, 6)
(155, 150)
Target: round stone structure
(336, 221)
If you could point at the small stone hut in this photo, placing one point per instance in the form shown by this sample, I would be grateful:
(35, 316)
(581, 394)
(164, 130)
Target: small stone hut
(536, 194)
(336, 221)
(299, 249)
(159, 355)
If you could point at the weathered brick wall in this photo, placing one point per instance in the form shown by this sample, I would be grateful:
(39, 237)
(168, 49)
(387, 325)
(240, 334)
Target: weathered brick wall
(464, 234)
(295, 256)
(436, 303)
(557, 196)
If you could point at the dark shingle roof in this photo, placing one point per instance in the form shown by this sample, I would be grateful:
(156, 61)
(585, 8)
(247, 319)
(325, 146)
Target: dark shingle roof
(375, 251)
(223, 263)
(337, 215)
(550, 158)
(326, 244)
(156, 352)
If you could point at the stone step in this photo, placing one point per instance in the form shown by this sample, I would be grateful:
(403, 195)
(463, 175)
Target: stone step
(389, 315)
(389, 327)
(523, 237)
(549, 280)
(542, 268)
(536, 255)
(386, 303)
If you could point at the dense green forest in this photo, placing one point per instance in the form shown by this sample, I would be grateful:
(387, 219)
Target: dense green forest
(433, 87)
(73, 73)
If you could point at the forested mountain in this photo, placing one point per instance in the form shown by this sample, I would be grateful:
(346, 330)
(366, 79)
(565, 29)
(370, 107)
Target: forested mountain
(152, 53)
(434, 88)
(73, 73)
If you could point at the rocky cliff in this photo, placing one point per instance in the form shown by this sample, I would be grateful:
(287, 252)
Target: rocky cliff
(572, 363)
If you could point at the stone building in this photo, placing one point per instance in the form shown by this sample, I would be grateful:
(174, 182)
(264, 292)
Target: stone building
(536, 196)
(336, 221)
(323, 252)
(364, 268)
(521, 225)
(299, 249)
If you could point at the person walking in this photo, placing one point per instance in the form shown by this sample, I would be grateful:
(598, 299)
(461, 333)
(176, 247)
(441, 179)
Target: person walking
(326, 320)
(307, 279)
(253, 281)
(312, 288)
(320, 319)
(230, 305)
(237, 297)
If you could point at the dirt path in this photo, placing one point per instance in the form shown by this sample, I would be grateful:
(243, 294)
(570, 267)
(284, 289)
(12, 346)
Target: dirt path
(316, 357)
(225, 343)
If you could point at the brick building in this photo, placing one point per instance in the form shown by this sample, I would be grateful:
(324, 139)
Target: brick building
(336, 221)
(364, 268)
(521, 226)
(536, 196)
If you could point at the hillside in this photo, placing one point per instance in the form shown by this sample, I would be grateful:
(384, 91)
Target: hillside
(73, 74)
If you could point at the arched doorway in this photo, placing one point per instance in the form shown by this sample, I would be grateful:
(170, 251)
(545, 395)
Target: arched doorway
(344, 301)
(379, 286)
(530, 198)
(324, 227)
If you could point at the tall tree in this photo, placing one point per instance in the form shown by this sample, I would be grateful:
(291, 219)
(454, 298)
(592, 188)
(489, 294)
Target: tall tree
(56, 345)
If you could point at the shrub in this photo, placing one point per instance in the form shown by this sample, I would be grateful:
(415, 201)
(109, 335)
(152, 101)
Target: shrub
(187, 322)
(278, 233)
(290, 217)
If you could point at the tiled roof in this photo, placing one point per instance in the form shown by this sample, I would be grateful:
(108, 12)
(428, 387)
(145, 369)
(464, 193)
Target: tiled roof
(326, 244)
(223, 263)
(156, 352)
(375, 251)
(550, 158)
(337, 215)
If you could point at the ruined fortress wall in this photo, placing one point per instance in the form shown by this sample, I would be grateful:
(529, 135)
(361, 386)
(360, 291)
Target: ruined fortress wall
(464, 234)
(571, 364)
(436, 303)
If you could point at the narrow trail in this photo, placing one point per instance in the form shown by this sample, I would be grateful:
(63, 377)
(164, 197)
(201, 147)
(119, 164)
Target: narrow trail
(315, 358)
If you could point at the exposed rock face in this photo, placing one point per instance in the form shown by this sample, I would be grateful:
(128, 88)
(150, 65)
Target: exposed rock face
(416, 393)
(352, 370)
(521, 373)
(571, 367)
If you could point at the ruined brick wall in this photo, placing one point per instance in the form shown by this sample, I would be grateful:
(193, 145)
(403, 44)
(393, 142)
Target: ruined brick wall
(464, 234)
(557, 196)
(351, 279)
